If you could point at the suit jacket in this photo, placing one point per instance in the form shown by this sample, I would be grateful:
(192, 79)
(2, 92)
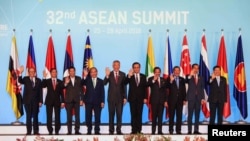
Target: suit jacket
(116, 91)
(176, 94)
(30, 93)
(74, 93)
(137, 92)
(158, 94)
(194, 89)
(54, 96)
(218, 93)
(94, 95)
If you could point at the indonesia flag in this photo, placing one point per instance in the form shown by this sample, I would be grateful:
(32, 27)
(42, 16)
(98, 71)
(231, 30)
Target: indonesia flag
(204, 72)
(50, 61)
(168, 68)
(185, 65)
(31, 59)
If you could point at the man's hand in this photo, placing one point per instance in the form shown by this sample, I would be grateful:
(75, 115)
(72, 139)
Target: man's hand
(40, 104)
(85, 72)
(45, 74)
(107, 72)
(166, 104)
(130, 73)
(145, 101)
(102, 105)
(62, 105)
(124, 101)
(21, 68)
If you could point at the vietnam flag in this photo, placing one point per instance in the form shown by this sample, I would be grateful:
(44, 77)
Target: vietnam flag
(168, 68)
(13, 87)
(222, 62)
(240, 86)
(150, 64)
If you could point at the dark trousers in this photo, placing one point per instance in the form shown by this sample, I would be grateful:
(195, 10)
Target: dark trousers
(157, 114)
(175, 109)
(32, 110)
(136, 115)
(216, 107)
(69, 108)
(49, 111)
(88, 116)
(194, 107)
(115, 108)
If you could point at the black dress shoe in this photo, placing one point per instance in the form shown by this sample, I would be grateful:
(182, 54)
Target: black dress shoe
(160, 133)
(179, 133)
(111, 133)
(153, 133)
(50, 133)
(189, 132)
(69, 133)
(119, 133)
(36, 133)
(28, 133)
(77, 133)
(88, 133)
(97, 133)
(171, 133)
(57, 133)
(197, 132)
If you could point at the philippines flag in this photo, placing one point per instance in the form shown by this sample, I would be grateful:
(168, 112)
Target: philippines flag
(168, 68)
(204, 71)
(240, 86)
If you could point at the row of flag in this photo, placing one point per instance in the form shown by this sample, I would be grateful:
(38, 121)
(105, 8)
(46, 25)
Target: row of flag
(14, 88)
(239, 93)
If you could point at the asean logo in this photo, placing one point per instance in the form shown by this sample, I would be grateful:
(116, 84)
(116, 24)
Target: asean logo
(239, 77)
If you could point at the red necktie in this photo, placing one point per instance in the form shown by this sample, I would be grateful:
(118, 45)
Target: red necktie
(54, 84)
(196, 79)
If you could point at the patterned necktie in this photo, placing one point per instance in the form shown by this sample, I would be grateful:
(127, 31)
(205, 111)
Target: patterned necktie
(54, 84)
(136, 79)
(177, 81)
(32, 82)
(116, 77)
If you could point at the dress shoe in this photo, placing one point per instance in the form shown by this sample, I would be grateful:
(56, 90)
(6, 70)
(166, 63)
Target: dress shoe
(28, 133)
(171, 132)
(69, 133)
(197, 132)
(36, 133)
(153, 133)
(88, 133)
(189, 132)
(77, 133)
(97, 133)
(119, 133)
(57, 133)
(111, 133)
(50, 133)
(160, 133)
(179, 133)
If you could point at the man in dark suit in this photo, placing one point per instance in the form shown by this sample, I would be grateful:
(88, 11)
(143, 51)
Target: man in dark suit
(176, 99)
(93, 99)
(136, 96)
(54, 99)
(117, 96)
(158, 99)
(73, 99)
(195, 97)
(217, 95)
(32, 99)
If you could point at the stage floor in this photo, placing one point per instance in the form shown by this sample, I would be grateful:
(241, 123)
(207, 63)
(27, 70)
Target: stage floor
(14, 132)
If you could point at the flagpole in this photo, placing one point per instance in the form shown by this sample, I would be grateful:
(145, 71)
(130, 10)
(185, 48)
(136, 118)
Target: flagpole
(185, 106)
(17, 122)
(167, 120)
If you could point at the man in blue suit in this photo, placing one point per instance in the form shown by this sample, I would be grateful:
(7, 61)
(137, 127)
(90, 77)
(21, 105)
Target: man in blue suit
(93, 99)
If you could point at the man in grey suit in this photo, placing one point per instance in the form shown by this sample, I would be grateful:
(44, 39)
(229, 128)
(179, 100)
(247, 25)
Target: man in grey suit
(195, 97)
(117, 96)
(73, 99)
(217, 96)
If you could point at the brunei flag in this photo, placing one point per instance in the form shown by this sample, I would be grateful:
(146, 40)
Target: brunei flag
(240, 86)
(13, 87)
(150, 64)
(88, 57)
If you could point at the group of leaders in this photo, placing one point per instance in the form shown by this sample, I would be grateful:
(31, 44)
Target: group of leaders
(74, 91)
